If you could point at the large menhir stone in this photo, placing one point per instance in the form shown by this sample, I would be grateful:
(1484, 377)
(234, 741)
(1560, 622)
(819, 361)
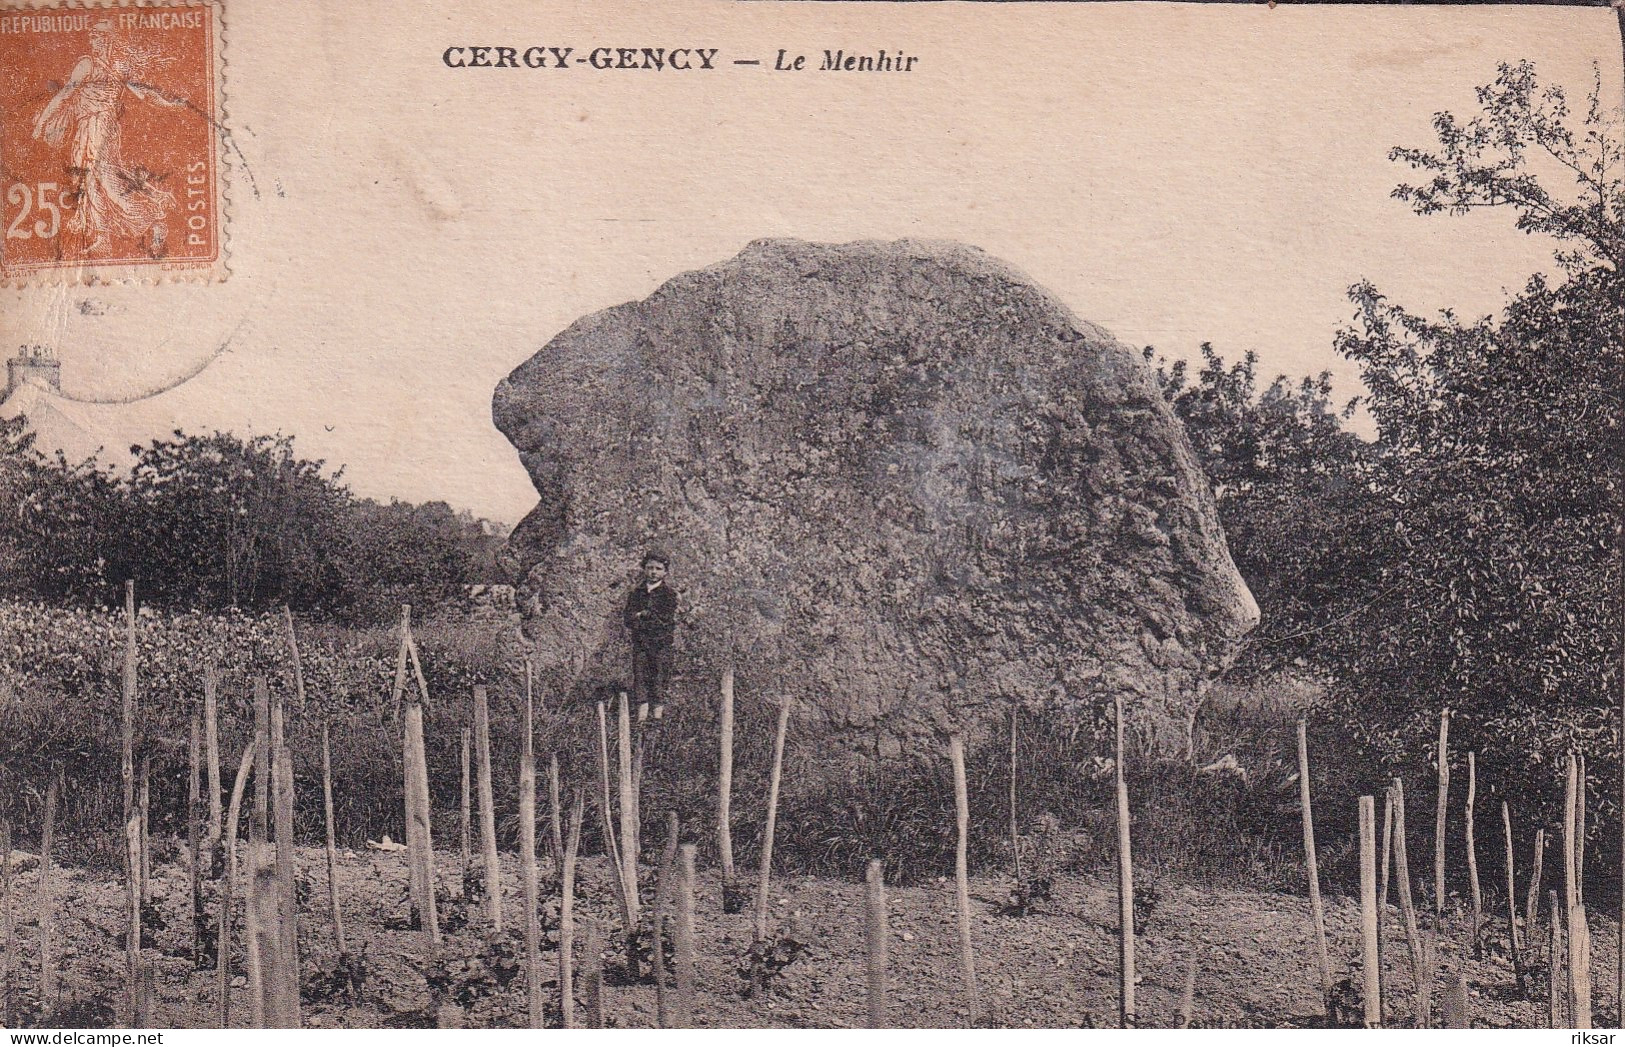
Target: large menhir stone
(898, 481)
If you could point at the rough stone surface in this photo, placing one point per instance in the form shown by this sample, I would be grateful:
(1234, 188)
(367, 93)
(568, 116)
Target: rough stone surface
(898, 481)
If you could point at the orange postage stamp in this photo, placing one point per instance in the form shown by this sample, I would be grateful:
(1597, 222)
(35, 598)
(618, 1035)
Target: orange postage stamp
(110, 143)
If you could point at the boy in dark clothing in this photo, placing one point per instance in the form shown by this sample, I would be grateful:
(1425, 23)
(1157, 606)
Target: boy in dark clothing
(651, 618)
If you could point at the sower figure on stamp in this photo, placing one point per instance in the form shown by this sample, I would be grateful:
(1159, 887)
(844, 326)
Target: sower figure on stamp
(651, 618)
(111, 194)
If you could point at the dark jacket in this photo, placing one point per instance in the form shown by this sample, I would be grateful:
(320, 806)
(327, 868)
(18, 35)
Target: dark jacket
(651, 617)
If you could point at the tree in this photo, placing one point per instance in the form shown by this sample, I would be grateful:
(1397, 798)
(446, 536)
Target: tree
(1494, 161)
(59, 521)
(1492, 537)
(1468, 556)
(18, 460)
(1287, 476)
(424, 555)
(221, 521)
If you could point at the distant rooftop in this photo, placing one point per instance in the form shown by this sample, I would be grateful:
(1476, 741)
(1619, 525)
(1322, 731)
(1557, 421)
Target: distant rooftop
(33, 363)
(78, 430)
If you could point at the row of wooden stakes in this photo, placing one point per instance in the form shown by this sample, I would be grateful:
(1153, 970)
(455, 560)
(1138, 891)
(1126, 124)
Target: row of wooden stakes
(271, 912)
(620, 809)
(271, 942)
(266, 873)
(1569, 986)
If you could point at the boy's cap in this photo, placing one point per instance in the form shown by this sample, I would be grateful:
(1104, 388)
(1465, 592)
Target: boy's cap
(655, 556)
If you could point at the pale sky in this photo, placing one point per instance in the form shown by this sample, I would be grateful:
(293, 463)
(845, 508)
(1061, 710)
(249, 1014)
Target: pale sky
(404, 234)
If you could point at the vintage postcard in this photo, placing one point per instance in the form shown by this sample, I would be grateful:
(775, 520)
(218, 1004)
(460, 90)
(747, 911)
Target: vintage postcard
(834, 516)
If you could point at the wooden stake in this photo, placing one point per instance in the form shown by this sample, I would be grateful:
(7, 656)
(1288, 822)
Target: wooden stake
(879, 933)
(422, 760)
(1317, 913)
(1371, 960)
(1580, 969)
(467, 852)
(411, 722)
(287, 857)
(593, 977)
(967, 953)
(683, 941)
(332, 845)
(606, 809)
(606, 804)
(420, 834)
(293, 657)
(1556, 983)
(262, 939)
(725, 778)
(1419, 967)
(131, 818)
(136, 1016)
(145, 803)
(1382, 889)
(1439, 816)
(629, 835)
(401, 658)
(765, 875)
(663, 891)
(287, 988)
(1512, 901)
(555, 824)
(1531, 905)
(1430, 964)
(1015, 824)
(45, 906)
(1472, 854)
(222, 948)
(211, 747)
(194, 885)
(555, 815)
(629, 828)
(1125, 885)
(637, 789)
(527, 867)
(567, 926)
(1580, 829)
(417, 664)
(1577, 931)
(1387, 849)
(488, 814)
(415, 770)
(1570, 894)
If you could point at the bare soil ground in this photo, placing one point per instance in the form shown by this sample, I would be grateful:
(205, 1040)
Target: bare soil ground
(1252, 953)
